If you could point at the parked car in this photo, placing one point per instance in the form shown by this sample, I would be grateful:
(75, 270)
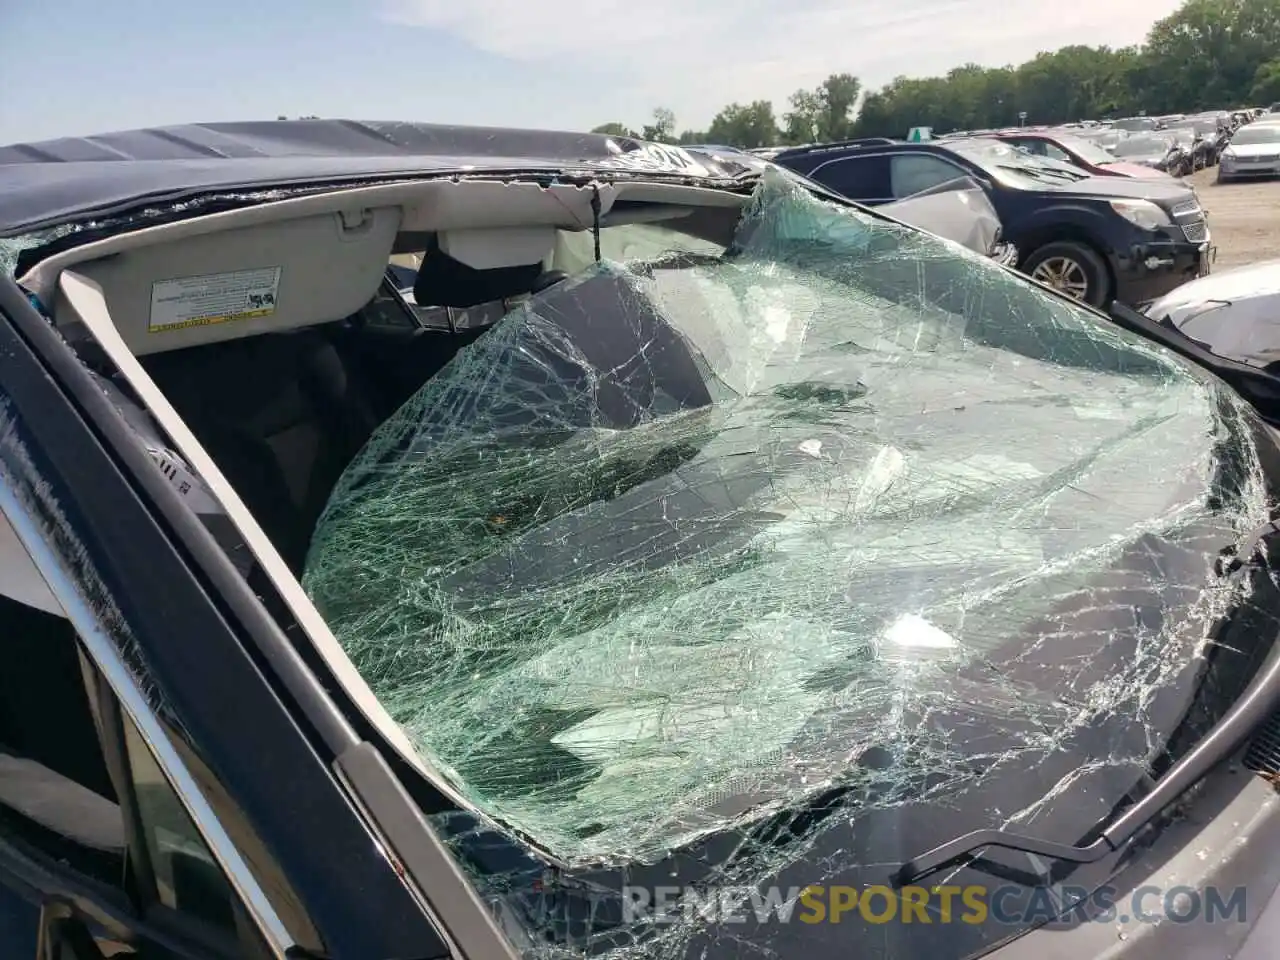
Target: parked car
(1161, 150)
(1235, 314)
(1106, 137)
(1080, 152)
(761, 533)
(1095, 238)
(1136, 124)
(1252, 151)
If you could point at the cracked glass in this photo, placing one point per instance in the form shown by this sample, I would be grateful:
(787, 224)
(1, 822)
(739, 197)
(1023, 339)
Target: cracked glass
(714, 578)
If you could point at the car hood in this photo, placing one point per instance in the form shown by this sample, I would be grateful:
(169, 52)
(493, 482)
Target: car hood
(774, 569)
(1235, 314)
(1139, 171)
(1166, 191)
(1257, 279)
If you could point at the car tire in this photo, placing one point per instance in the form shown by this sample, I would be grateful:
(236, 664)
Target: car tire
(1074, 269)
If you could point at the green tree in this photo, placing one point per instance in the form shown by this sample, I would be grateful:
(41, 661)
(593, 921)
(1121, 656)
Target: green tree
(749, 126)
(1266, 84)
(801, 121)
(824, 113)
(1208, 52)
(663, 128)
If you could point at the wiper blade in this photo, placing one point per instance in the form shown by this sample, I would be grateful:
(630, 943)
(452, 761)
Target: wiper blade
(1032, 173)
(1259, 700)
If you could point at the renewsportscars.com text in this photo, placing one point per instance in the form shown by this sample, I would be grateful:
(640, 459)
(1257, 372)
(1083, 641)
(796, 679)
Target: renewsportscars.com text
(1013, 905)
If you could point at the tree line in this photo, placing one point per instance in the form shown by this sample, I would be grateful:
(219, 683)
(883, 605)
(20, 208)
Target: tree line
(1208, 54)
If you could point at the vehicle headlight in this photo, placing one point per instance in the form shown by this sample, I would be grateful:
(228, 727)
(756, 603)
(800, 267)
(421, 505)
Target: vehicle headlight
(1141, 213)
(1228, 159)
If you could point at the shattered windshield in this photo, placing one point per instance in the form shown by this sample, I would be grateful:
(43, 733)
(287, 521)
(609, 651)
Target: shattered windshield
(1108, 139)
(1143, 146)
(1089, 150)
(765, 568)
(1014, 165)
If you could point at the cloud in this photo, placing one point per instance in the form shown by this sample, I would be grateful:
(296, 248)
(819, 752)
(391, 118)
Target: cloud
(697, 55)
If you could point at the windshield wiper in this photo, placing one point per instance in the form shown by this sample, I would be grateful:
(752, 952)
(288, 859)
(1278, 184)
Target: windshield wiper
(1046, 174)
(1031, 173)
(1257, 702)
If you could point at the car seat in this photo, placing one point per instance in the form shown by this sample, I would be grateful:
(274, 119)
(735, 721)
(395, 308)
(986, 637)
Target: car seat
(281, 414)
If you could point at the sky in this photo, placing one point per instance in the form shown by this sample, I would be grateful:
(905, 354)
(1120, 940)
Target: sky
(78, 67)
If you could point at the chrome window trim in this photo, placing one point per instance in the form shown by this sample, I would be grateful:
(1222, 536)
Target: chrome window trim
(101, 648)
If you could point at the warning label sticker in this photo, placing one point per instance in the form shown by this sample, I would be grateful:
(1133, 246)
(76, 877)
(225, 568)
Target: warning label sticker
(214, 298)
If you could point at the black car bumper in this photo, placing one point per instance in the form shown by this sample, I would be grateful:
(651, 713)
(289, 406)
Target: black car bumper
(1148, 271)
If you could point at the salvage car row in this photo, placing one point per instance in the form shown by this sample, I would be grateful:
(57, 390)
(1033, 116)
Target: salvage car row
(417, 540)
(1095, 238)
(1093, 211)
(1178, 144)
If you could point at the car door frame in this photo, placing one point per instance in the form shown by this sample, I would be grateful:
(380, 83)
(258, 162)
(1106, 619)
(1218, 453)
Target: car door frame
(850, 158)
(962, 170)
(97, 516)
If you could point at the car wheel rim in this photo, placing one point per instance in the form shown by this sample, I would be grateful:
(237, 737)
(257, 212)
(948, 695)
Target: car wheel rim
(1064, 274)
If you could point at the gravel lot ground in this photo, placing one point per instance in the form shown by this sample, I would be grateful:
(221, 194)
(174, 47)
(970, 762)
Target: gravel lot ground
(1244, 218)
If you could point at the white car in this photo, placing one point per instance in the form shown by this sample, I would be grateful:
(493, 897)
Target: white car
(1235, 314)
(1254, 151)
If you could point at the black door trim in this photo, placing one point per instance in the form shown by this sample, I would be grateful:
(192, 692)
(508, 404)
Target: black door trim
(117, 518)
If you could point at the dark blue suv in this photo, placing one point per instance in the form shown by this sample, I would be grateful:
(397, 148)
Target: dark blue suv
(1097, 239)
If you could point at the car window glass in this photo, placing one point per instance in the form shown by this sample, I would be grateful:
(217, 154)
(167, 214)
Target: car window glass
(187, 878)
(911, 173)
(858, 178)
(56, 792)
(63, 793)
(1056, 153)
(1034, 147)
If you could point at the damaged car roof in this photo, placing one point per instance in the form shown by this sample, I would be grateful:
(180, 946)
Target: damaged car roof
(72, 178)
